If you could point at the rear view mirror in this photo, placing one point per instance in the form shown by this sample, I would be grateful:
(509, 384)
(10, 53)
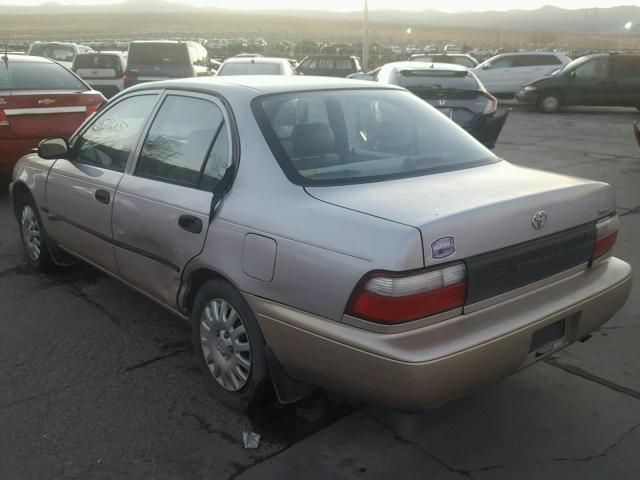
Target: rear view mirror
(636, 130)
(53, 148)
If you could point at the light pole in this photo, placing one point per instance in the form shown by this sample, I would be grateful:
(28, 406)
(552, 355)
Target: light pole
(627, 28)
(365, 37)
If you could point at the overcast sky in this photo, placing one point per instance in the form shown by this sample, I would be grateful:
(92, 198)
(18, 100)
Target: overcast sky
(345, 5)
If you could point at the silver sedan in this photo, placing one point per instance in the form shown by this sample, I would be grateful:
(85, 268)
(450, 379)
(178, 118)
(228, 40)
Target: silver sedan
(328, 232)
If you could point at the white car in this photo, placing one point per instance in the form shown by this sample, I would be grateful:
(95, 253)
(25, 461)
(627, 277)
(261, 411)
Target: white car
(505, 74)
(256, 66)
(104, 71)
(63, 53)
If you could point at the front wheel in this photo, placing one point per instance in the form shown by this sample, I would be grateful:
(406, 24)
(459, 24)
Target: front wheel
(33, 236)
(550, 103)
(229, 346)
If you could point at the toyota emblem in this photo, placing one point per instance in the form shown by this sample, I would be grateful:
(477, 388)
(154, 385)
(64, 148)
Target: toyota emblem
(539, 220)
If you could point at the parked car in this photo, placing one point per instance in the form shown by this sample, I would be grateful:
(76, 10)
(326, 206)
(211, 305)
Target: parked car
(329, 66)
(335, 232)
(454, 58)
(61, 52)
(150, 61)
(455, 91)
(504, 74)
(412, 49)
(39, 98)
(599, 80)
(104, 71)
(256, 66)
(451, 49)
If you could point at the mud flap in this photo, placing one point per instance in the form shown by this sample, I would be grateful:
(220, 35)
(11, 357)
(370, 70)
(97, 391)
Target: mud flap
(489, 134)
(287, 390)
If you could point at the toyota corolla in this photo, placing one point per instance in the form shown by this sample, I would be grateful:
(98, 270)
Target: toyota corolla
(326, 232)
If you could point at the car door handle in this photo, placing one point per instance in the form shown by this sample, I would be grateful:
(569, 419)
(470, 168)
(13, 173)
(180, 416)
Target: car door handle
(190, 223)
(103, 196)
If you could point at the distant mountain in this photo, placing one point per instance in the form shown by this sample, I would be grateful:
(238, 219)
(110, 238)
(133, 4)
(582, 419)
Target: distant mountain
(601, 21)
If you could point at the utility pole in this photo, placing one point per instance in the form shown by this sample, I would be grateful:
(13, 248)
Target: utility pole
(365, 37)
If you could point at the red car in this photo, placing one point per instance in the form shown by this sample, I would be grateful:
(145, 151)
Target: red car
(39, 98)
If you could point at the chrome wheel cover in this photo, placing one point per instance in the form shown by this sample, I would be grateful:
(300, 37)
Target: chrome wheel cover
(225, 344)
(551, 103)
(30, 233)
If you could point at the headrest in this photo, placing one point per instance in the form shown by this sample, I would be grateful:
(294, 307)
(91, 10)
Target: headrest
(312, 139)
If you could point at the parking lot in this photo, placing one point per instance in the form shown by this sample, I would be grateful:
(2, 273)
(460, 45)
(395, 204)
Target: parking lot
(99, 382)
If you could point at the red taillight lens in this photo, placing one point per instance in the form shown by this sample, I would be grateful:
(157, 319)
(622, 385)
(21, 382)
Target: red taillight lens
(492, 104)
(3, 119)
(606, 236)
(395, 298)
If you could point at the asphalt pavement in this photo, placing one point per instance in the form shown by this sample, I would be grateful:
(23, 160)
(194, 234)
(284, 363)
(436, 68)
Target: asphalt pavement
(98, 382)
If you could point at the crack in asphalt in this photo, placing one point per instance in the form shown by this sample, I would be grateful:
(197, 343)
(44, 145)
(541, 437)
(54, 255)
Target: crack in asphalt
(599, 455)
(157, 359)
(77, 292)
(466, 473)
(208, 427)
(593, 378)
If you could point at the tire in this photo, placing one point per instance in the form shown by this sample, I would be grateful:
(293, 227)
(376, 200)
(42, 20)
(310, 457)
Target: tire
(550, 102)
(230, 349)
(33, 235)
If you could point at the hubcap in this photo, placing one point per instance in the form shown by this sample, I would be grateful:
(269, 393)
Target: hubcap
(551, 103)
(30, 233)
(225, 345)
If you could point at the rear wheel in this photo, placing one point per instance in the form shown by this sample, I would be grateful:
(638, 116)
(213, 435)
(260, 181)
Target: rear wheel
(229, 346)
(32, 234)
(550, 102)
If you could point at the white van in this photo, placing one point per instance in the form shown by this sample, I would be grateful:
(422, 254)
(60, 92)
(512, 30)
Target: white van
(504, 74)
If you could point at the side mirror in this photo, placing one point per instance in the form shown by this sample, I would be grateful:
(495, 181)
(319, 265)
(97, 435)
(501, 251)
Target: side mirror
(53, 148)
(636, 130)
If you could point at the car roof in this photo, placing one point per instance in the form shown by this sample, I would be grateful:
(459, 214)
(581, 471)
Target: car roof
(256, 60)
(449, 67)
(26, 59)
(262, 84)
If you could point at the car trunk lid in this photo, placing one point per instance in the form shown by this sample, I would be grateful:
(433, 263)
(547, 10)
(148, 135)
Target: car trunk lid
(483, 209)
(30, 114)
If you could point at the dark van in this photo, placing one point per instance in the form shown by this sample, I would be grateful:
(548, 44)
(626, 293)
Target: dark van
(595, 80)
(150, 61)
(329, 66)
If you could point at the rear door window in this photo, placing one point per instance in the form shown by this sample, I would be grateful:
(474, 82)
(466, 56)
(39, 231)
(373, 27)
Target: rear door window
(38, 76)
(109, 140)
(503, 62)
(158, 54)
(535, 60)
(180, 140)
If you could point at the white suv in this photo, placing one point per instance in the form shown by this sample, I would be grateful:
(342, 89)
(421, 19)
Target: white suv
(104, 71)
(505, 74)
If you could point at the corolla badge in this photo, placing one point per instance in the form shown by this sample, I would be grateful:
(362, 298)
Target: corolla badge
(443, 247)
(539, 220)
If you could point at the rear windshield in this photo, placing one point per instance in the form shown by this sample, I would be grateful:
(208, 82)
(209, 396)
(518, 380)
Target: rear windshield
(158, 54)
(437, 79)
(356, 136)
(60, 53)
(250, 69)
(38, 76)
(92, 60)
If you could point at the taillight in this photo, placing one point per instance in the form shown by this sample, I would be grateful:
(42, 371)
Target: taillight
(492, 104)
(395, 298)
(129, 79)
(606, 236)
(93, 104)
(4, 122)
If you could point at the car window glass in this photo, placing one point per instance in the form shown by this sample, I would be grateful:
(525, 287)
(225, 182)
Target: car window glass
(595, 68)
(256, 68)
(108, 142)
(41, 76)
(179, 140)
(356, 136)
(627, 66)
(160, 53)
(504, 62)
(61, 53)
(218, 160)
(342, 63)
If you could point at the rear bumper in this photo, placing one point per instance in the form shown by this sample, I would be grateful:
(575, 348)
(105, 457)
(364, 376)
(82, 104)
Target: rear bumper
(428, 366)
(488, 129)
